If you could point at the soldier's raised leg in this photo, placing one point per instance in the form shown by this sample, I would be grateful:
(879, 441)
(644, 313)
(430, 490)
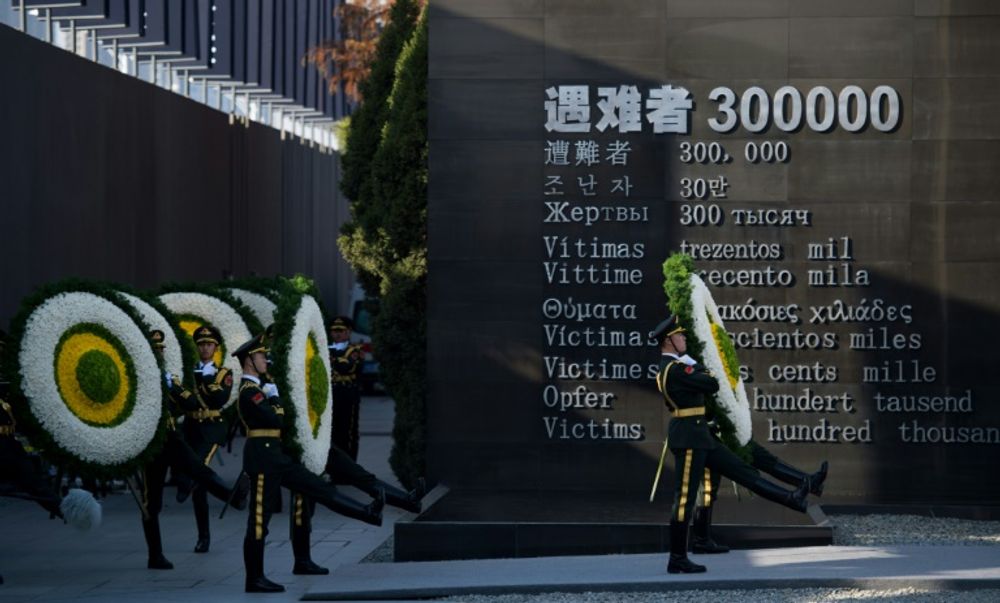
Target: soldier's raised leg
(767, 462)
(345, 470)
(722, 460)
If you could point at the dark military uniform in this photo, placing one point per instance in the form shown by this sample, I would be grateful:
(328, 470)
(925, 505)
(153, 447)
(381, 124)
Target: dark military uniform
(342, 469)
(696, 451)
(204, 427)
(269, 468)
(16, 465)
(763, 460)
(17, 468)
(178, 456)
(698, 454)
(345, 367)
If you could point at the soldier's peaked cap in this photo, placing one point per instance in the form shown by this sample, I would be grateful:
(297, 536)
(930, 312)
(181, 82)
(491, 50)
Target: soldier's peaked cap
(668, 327)
(341, 322)
(251, 347)
(156, 338)
(207, 334)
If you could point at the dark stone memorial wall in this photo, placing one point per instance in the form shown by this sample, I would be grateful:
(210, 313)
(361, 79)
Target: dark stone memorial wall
(832, 167)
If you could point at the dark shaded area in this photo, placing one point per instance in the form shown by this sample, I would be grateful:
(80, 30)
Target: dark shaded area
(111, 178)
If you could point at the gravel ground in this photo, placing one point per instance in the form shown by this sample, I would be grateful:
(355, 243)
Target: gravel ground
(803, 595)
(850, 530)
(864, 530)
(868, 530)
(382, 554)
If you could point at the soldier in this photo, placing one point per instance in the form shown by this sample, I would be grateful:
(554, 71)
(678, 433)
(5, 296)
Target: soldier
(16, 466)
(342, 469)
(762, 459)
(18, 469)
(204, 428)
(684, 384)
(178, 455)
(345, 365)
(270, 468)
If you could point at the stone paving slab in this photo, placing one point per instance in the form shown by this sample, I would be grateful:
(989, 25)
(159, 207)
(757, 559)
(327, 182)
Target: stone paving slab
(43, 560)
(937, 567)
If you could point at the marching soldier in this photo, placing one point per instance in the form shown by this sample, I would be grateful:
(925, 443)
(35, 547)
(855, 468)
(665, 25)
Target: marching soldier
(345, 366)
(270, 468)
(684, 384)
(763, 460)
(204, 428)
(179, 456)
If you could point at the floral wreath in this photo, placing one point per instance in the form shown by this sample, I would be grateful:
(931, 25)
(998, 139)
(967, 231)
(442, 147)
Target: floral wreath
(707, 339)
(197, 306)
(301, 370)
(262, 307)
(88, 381)
(173, 354)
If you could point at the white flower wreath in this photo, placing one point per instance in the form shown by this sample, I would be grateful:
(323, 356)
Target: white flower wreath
(309, 360)
(732, 396)
(65, 338)
(262, 308)
(172, 357)
(203, 308)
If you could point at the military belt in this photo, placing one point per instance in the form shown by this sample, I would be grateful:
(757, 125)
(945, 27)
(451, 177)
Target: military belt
(6, 430)
(689, 412)
(203, 414)
(264, 433)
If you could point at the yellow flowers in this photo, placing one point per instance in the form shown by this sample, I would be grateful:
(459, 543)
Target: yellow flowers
(728, 353)
(93, 377)
(89, 378)
(317, 384)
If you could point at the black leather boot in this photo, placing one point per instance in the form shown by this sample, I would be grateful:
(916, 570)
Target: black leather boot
(701, 540)
(816, 479)
(408, 501)
(151, 529)
(304, 565)
(348, 507)
(199, 501)
(679, 562)
(184, 487)
(791, 475)
(203, 544)
(793, 499)
(253, 560)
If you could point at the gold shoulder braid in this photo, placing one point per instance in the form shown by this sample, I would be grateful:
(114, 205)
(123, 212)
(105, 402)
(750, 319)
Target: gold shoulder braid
(661, 383)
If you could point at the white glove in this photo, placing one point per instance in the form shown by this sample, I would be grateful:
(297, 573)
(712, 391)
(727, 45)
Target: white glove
(271, 390)
(688, 360)
(168, 378)
(208, 370)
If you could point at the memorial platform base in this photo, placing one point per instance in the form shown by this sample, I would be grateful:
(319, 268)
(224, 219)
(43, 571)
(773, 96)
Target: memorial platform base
(487, 525)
